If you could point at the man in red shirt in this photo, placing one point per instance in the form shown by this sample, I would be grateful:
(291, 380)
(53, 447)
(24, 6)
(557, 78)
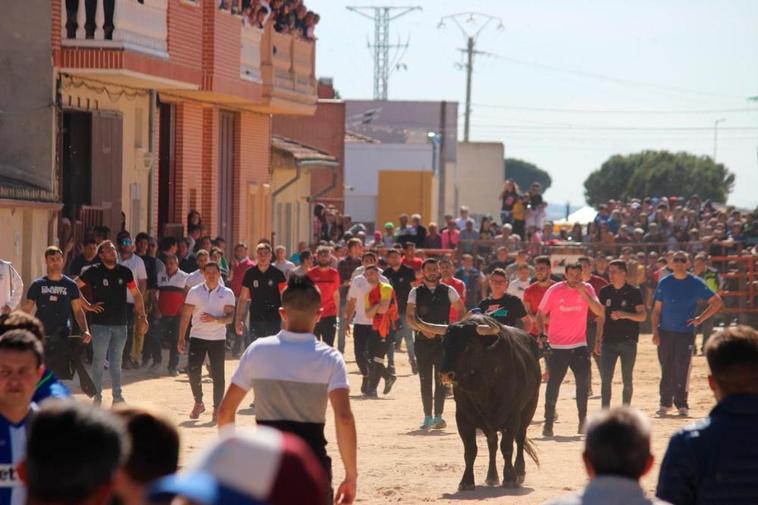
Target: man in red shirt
(596, 282)
(168, 310)
(446, 271)
(241, 264)
(409, 256)
(534, 293)
(327, 279)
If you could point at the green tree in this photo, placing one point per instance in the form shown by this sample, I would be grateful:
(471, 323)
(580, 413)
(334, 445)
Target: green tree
(658, 173)
(525, 173)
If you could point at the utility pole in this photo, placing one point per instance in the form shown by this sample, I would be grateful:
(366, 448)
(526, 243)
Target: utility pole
(382, 16)
(481, 20)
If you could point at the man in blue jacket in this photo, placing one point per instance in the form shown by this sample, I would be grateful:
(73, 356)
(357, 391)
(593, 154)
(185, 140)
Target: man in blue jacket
(715, 460)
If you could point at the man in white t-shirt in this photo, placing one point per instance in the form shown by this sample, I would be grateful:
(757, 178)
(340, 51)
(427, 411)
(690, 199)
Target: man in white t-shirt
(355, 310)
(517, 286)
(134, 339)
(293, 375)
(211, 307)
(281, 262)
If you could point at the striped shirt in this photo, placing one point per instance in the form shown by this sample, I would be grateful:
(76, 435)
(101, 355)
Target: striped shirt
(12, 452)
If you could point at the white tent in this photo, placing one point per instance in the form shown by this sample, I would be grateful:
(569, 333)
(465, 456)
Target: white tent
(582, 216)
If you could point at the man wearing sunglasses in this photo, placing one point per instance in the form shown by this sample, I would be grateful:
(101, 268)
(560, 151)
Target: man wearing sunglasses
(674, 326)
(132, 357)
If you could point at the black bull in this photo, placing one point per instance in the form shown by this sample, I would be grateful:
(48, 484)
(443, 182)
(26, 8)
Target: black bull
(495, 373)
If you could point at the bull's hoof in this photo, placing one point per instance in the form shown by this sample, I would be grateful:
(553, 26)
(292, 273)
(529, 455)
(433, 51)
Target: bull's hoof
(492, 482)
(509, 484)
(466, 486)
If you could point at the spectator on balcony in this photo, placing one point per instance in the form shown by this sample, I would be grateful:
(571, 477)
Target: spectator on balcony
(404, 233)
(194, 219)
(469, 236)
(451, 236)
(311, 20)
(463, 217)
(419, 230)
(388, 239)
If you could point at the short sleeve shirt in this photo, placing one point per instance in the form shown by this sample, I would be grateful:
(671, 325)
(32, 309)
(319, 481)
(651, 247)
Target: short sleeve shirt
(625, 299)
(401, 280)
(53, 300)
(137, 266)
(213, 302)
(507, 309)
(679, 298)
(265, 293)
(359, 289)
(532, 298)
(452, 294)
(568, 315)
(109, 287)
(328, 282)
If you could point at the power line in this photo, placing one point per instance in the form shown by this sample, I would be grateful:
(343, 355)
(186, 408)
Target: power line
(382, 16)
(616, 111)
(476, 18)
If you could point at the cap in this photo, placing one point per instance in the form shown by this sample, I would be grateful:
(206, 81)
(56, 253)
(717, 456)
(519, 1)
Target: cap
(249, 468)
(389, 224)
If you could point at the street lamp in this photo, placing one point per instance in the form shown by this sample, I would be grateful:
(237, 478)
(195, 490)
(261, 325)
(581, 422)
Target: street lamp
(435, 139)
(716, 135)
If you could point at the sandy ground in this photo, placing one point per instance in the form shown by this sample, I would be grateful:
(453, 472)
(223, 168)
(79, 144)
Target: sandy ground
(400, 464)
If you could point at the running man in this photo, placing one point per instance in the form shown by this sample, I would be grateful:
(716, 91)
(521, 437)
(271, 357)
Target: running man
(381, 308)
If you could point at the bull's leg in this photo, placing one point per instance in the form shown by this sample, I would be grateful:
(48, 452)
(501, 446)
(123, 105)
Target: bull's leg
(492, 478)
(468, 437)
(506, 446)
(520, 465)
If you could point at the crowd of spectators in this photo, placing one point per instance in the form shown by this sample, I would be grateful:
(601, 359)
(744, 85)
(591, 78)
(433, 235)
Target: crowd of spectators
(286, 16)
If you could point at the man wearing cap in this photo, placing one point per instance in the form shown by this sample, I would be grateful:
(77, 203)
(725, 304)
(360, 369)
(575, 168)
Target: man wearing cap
(294, 376)
(388, 239)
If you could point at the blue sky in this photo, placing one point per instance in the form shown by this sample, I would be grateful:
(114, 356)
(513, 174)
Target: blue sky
(570, 83)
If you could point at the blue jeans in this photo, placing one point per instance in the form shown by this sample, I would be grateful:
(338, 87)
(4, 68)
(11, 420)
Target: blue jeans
(108, 340)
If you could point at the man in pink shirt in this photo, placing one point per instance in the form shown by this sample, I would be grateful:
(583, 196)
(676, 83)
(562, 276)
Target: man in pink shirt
(240, 264)
(567, 304)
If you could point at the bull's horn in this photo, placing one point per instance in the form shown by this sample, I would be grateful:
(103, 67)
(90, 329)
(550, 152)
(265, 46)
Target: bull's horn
(486, 329)
(434, 329)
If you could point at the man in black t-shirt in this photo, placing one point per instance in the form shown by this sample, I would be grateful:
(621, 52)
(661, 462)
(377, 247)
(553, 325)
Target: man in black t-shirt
(108, 282)
(624, 311)
(401, 277)
(346, 267)
(261, 285)
(505, 308)
(87, 258)
(58, 302)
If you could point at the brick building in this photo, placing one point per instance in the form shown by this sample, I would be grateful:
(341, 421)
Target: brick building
(162, 106)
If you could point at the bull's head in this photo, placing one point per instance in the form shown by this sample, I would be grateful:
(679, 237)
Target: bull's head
(465, 344)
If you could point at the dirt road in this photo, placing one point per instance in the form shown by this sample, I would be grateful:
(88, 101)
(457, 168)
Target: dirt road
(400, 464)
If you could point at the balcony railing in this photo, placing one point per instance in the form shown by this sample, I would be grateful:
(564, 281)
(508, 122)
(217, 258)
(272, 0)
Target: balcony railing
(134, 25)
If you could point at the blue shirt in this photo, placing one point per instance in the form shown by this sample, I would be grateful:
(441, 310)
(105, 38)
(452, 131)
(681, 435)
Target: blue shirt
(53, 300)
(12, 451)
(680, 297)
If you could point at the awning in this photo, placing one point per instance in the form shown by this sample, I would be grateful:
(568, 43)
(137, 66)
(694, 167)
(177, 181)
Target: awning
(303, 154)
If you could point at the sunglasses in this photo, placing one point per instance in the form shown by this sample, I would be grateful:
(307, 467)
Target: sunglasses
(126, 242)
(680, 260)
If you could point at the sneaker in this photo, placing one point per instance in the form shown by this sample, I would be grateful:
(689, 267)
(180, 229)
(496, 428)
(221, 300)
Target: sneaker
(198, 409)
(438, 423)
(118, 399)
(547, 430)
(426, 424)
(172, 372)
(155, 366)
(388, 383)
(364, 384)
(371, 394)
(97, 400)
(684, 412)
(663, 410)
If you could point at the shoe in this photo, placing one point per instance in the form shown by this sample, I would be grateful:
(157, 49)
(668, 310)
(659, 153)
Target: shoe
(590, 393)
(371, 394)
(172, 372)
(214, 417)
(145, 363)
(391, 370)
(154, 367)
(364, 384)
(547, 430)
(388, 383)
(426, 424)
(663, 410)
(97, 400)
(684, 412)
(438, 423)
(580, 428)
(198, 409)
(414, 368)
(183, 370)
(118, 399)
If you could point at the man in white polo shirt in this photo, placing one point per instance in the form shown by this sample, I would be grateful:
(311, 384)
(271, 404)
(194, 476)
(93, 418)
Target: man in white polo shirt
(294, 375)
(210, 306)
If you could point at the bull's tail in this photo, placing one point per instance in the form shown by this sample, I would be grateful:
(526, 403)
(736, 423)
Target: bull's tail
(531, 450)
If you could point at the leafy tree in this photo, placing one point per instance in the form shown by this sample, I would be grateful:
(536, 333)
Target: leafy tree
(525, 173)
(658, 173)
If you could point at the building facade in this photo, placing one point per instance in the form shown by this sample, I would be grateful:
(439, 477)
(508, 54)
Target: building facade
(480, 177)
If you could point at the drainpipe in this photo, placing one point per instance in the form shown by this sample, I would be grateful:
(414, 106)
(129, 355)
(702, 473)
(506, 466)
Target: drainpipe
(151, 149)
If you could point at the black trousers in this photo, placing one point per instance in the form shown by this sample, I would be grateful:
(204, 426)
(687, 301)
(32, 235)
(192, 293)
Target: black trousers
(558, 363)
(169, 326)
(591, 331)
(429, 359)
(361, 335)
(129, 332)
(260, 329)
(675, 357)
(215, 349)
(626, 352)
(376, 349)
(326, 328)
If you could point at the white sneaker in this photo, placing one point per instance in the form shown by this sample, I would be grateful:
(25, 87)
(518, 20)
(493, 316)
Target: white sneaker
(663, 410)
(684, 412)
